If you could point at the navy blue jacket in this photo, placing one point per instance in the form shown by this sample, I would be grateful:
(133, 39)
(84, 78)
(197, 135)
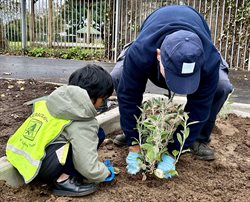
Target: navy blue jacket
(141, 64)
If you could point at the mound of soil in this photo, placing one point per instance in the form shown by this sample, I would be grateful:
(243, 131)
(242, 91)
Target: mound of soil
(225, 179)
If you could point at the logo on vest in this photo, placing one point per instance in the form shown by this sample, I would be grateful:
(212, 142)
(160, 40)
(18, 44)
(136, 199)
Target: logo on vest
(32, 129)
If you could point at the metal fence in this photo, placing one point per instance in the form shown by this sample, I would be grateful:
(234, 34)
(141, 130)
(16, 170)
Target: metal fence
(107, 25)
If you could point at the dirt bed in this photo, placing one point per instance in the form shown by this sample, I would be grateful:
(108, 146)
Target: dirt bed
(225, 179)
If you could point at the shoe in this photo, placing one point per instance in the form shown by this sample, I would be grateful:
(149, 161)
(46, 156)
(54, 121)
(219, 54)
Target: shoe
(72, 187)
(120, 140)
(202, 151)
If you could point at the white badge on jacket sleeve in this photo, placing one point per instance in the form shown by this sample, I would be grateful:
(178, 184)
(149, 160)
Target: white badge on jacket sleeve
(187, 68)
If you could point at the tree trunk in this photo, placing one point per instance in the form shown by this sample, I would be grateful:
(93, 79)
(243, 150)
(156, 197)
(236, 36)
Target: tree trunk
(109, 30)
(32, 22)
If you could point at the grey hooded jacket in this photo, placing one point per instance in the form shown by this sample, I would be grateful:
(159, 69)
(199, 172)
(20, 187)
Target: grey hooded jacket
(73, 102)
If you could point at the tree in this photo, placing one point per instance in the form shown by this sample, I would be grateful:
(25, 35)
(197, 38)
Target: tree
(77, 15)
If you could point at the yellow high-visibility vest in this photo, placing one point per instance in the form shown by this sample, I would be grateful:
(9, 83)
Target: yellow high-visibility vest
(26, 147)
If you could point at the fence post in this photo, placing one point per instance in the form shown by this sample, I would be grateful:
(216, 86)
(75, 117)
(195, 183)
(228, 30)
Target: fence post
(50, 22)
(23, 19)
(89, 22)
(117, 24)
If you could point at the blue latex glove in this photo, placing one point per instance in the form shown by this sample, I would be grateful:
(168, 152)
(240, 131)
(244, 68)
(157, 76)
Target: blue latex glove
(109, 165)
(166, 165)
(133, 163)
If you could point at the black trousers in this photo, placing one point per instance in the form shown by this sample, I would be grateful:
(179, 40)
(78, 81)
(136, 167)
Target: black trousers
(51, 168)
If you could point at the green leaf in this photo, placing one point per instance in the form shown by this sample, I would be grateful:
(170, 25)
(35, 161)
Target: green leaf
(134, 143)
(175, 153)
(159, 173)
(185, 150)
(179, 137)
(160, 154)
(143, 166)
(150, 155)
(150, 139)
(193, 122)
(186, 116)
(147, 146)
(171, 141)
(173, 172)
(186, 133)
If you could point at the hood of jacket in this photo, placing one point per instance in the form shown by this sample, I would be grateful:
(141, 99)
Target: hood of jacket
(71, 102)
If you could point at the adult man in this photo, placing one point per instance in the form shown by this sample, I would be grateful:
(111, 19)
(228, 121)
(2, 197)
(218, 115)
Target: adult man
(174, 50)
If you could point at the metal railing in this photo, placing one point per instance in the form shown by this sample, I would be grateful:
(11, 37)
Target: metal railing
(109, 24)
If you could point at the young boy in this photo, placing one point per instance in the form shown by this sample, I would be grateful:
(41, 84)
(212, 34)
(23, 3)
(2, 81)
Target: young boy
(58, 142)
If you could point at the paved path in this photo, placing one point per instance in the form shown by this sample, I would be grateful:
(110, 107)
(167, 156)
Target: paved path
(54, 70)
(58, 70)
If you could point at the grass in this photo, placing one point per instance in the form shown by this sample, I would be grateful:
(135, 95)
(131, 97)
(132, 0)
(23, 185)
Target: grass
(66, 51)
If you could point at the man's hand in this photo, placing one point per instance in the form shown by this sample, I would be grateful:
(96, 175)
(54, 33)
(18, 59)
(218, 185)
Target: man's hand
(135, 148)
(166, 166)
(109, 165)
(133, 163)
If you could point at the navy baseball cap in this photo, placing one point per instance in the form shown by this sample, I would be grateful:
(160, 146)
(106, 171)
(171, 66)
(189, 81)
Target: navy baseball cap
(182, 56)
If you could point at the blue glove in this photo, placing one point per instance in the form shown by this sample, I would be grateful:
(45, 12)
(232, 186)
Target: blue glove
(109, 165)
(133, 163)
(166, 165)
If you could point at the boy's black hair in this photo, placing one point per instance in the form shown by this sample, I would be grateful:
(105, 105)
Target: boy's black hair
(94, 79)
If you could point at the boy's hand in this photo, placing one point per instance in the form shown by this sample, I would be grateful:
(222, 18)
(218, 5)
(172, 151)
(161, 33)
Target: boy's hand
(109, 165)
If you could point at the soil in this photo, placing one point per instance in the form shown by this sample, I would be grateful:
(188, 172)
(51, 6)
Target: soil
(225, 179)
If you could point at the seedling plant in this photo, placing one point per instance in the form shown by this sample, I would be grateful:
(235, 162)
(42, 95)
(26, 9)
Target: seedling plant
(159, 119)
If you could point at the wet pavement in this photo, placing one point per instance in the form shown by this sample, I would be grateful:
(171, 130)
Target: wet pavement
(46, 69)
(58, 70)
